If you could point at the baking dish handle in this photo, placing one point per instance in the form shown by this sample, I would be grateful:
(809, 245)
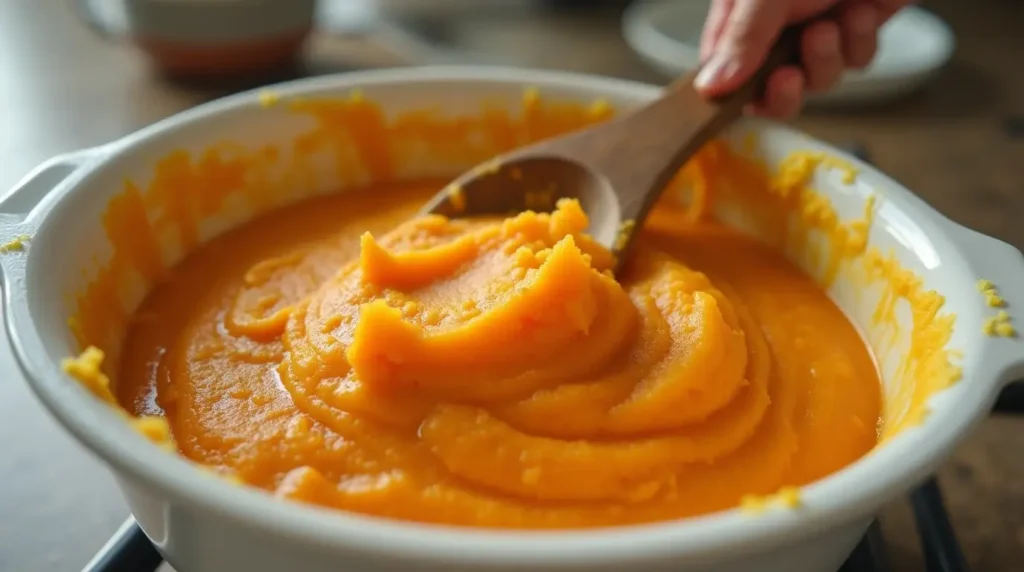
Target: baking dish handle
(1003, 265)
(20, 201)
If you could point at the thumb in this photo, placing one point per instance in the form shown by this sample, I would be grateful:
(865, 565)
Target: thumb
(747, 34)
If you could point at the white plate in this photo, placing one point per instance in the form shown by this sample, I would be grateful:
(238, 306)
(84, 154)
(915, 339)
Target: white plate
(913, 45)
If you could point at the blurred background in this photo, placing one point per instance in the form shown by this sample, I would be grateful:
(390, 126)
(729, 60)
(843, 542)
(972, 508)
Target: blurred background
(941, 110)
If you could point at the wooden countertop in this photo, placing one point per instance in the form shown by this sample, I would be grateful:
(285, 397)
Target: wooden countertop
(61, 89)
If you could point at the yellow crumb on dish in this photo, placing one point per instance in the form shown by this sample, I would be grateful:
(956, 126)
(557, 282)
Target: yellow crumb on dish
(994, 300)
(156, 429)
(1005, 330)
(992, 297)
(1002, 316)
(789, 497)
(269, 98)
(600, 108)
(988, 327)
(786, 498)
(999, 325)
(15, 244)
(753, 504)
(86, 369)
(625, 231)
(457, 198)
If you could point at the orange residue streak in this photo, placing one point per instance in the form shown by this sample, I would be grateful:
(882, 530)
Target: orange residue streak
(340, 352)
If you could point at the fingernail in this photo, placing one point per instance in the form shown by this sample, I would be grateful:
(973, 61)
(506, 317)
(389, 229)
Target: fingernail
(716, 70)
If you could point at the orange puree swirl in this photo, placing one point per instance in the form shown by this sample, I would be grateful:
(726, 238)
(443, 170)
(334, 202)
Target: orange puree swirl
(495, 373)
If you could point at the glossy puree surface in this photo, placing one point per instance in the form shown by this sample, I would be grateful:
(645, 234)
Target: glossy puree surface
(493, 373)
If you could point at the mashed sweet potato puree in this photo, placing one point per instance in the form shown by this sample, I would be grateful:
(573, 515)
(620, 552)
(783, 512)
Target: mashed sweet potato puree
(495, 373)
(342, 351)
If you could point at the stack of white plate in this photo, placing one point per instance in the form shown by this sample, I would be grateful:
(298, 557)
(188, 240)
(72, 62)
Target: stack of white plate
(913, 45)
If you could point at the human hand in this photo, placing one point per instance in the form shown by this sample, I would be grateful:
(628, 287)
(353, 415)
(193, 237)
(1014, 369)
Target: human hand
(739, 33)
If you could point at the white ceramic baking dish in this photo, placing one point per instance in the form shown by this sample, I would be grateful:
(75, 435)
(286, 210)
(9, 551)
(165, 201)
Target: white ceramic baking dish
(205, 524)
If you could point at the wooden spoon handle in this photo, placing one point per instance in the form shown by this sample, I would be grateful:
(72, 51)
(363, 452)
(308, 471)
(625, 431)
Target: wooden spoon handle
(662, 136)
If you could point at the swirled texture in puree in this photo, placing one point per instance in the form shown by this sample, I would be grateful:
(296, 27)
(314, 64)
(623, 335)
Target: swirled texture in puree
(494, 372)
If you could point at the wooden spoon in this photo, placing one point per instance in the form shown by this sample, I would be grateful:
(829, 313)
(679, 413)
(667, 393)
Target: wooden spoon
(616, 169)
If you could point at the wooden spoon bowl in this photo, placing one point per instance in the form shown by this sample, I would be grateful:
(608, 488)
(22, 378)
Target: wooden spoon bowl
(616, 169)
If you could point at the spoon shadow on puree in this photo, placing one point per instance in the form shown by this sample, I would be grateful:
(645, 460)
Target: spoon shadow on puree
(343, 351)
